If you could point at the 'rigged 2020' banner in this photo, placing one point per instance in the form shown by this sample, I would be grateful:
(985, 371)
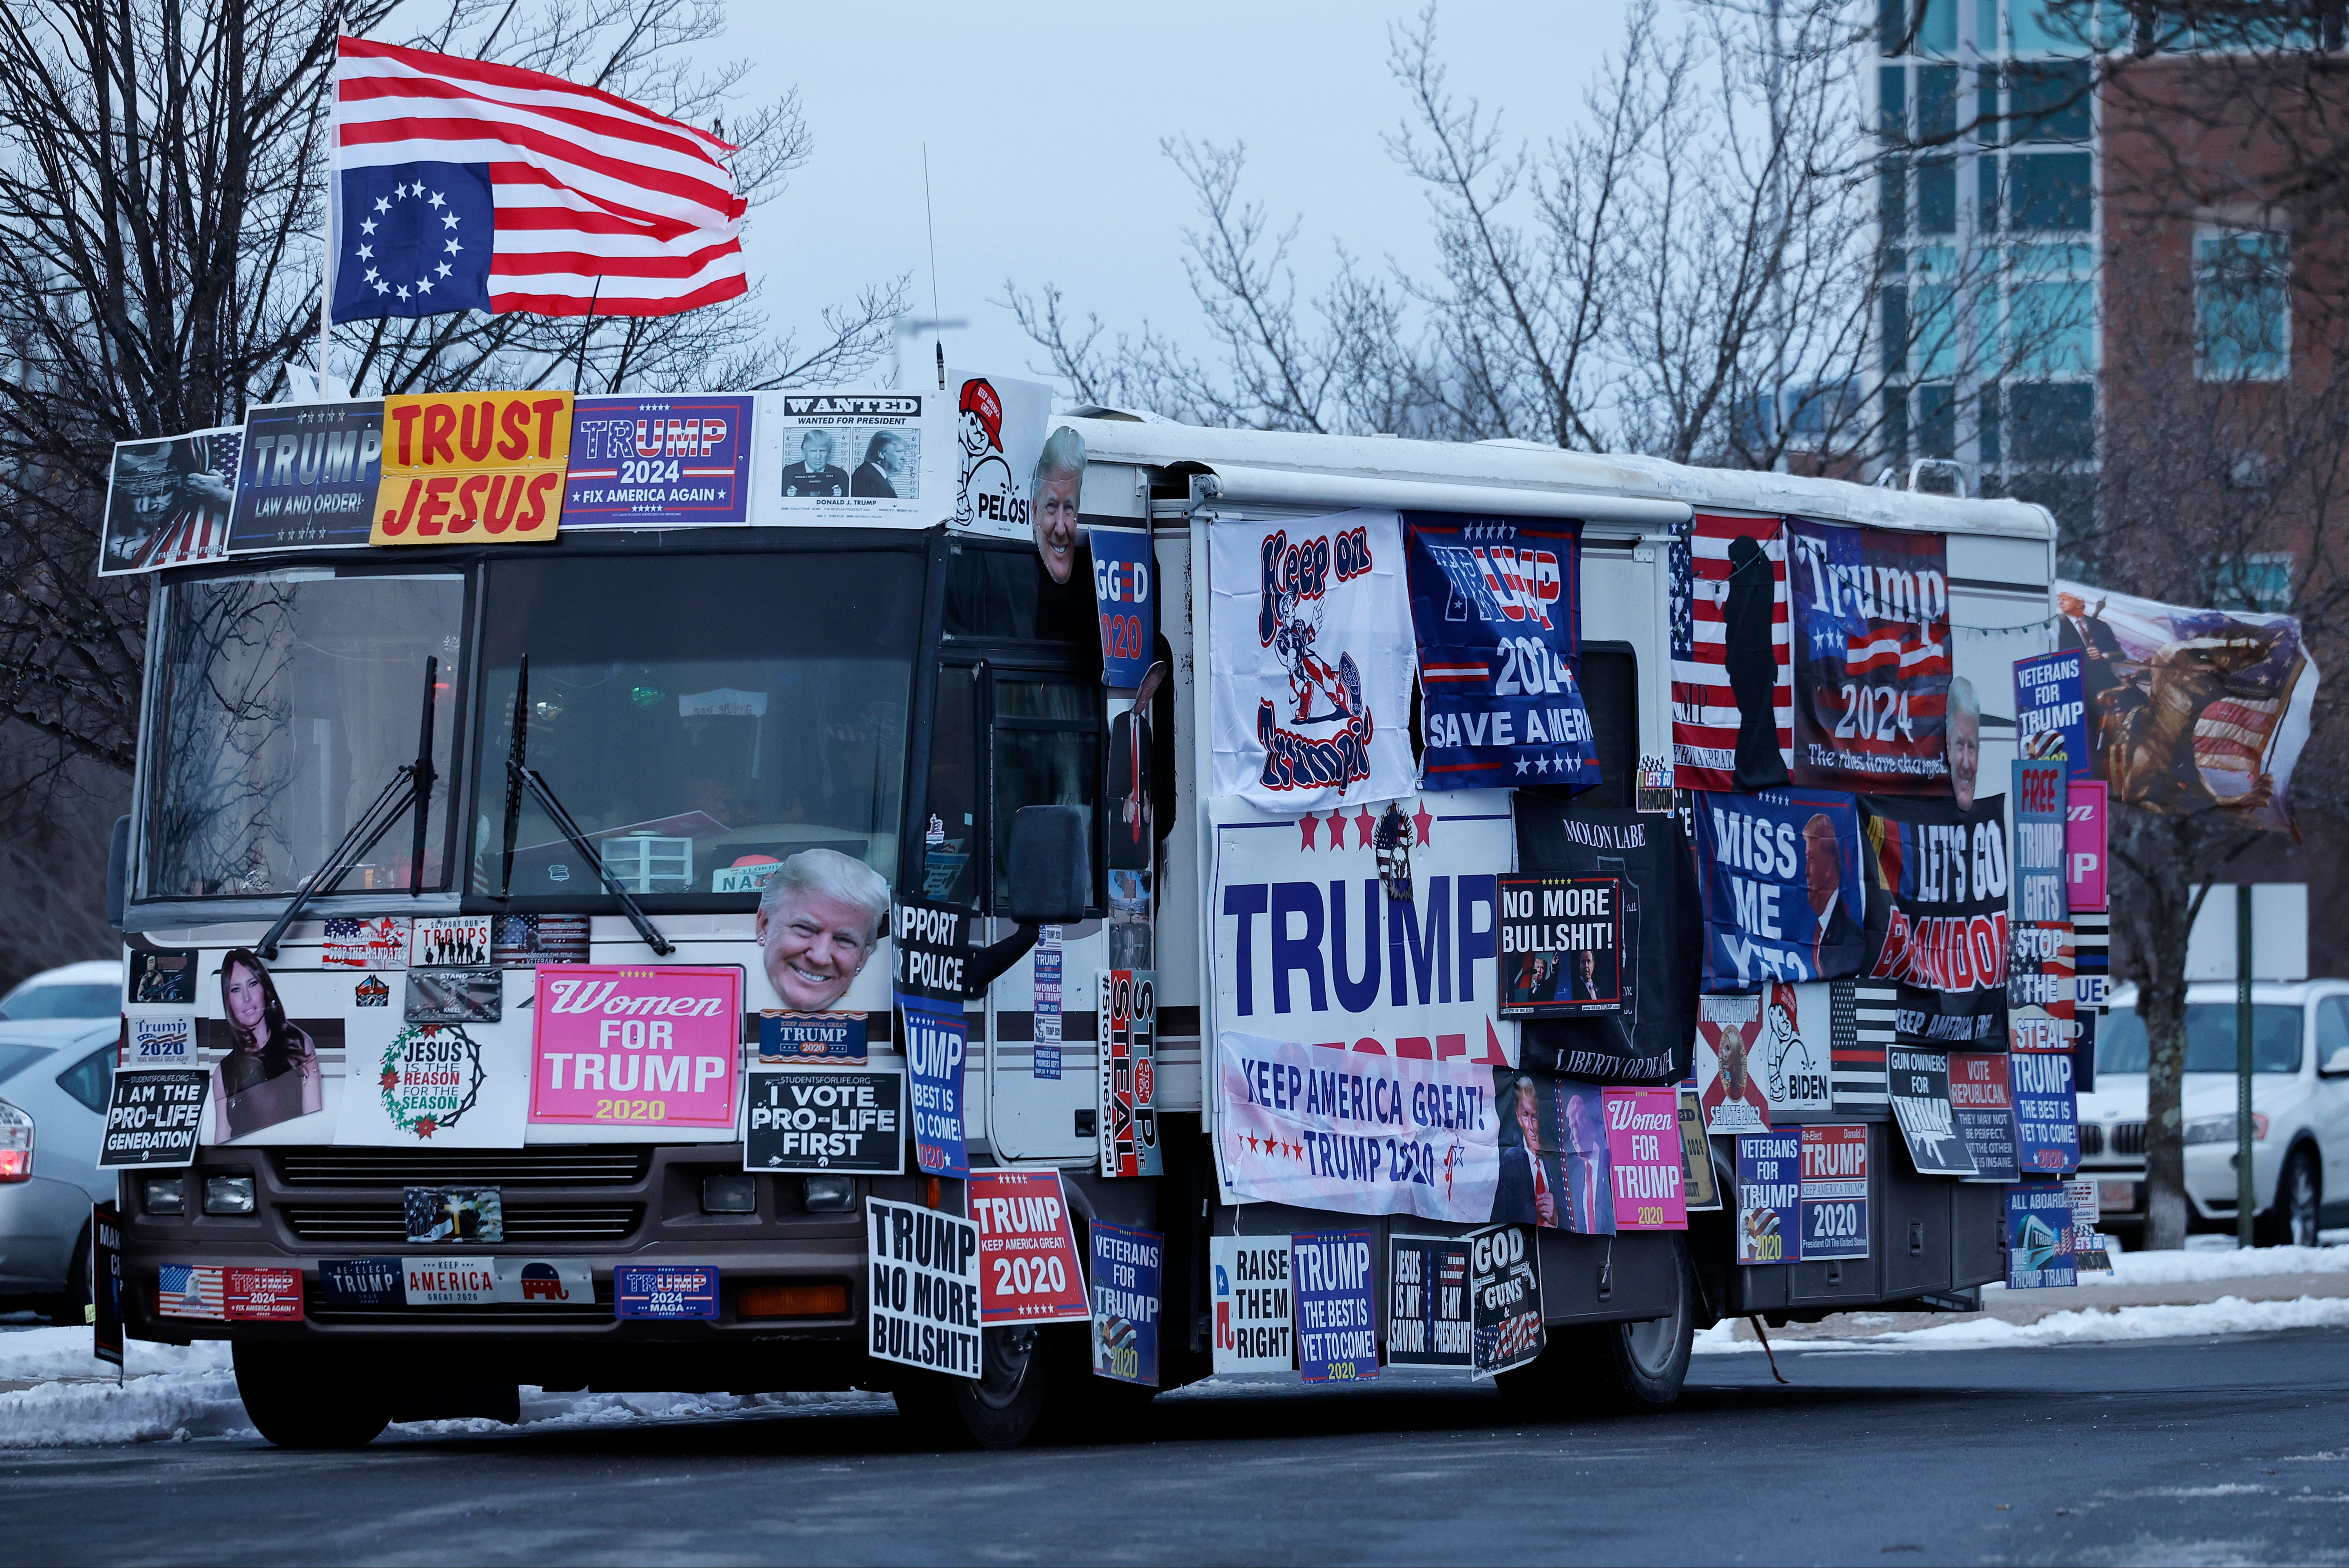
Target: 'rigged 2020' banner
(1937, 916)
(1495, 608)
(1872, 658)
(1782, 887)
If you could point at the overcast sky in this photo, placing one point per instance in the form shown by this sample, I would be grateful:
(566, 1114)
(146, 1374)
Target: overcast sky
(1044, 124)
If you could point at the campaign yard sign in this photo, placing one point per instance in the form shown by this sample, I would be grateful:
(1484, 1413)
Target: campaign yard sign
(615, 1046)
(1872, 658)
(923, 1300)
(650, 462)
(307, 475)
(159, 1041)
(1643, 1140)
(1780, 874)
(2086, 845)
(849, 1119)
(1561, 946)
(2040, 811)
(1125, 595)
(1769, 1189)
(788, 1039)
(932, 944)
(1696, 1156)
(2046, 1112)
(1255, 1323)
(1920, 1082)
(2051, 716)
(1504, 1278)
(2039, 1237)
(1330, 1281)
(1835, 1192)
(1126, 1020)
(1029, 1270)
(1128, 1280)
(1982, 1100)
(154, 1118)
(1431, 1320)
(1730, 1081)
(1494, 604)
(2042, 987)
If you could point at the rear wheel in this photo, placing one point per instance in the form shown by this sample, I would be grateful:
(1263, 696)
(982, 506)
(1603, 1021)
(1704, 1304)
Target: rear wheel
(2290, 1221)
(301, 1398)
(1615, 1366)
(997, 1409)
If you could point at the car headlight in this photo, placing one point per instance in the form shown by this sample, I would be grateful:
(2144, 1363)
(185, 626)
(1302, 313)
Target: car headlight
(15, 1143)
(167, 1195)
(2222, 1129)
(227, 1195)
(831, 1194)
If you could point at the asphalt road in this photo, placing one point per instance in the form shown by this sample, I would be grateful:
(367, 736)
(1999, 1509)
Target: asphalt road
(2188, 1451)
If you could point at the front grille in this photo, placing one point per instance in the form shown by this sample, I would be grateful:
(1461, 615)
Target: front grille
(386, 1224)
(2092, 1139)
(552, 1166)
(2128, 1137)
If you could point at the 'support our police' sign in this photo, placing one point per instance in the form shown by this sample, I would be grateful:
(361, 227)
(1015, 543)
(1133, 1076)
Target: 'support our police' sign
(924, 1287)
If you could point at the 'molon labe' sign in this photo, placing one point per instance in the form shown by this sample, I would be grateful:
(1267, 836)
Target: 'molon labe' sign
(473, 467)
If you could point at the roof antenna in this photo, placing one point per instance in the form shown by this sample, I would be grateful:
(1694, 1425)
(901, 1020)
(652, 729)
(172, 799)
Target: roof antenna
(930, 219)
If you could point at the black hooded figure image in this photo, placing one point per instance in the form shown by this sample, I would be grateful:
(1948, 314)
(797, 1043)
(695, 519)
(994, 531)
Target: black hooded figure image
(1752, 666)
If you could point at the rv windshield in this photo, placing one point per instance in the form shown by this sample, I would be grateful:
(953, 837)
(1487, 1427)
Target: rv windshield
(283, 702)
(701, 717)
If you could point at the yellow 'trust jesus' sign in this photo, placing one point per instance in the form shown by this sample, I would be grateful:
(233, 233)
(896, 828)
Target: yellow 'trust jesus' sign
(472, 468)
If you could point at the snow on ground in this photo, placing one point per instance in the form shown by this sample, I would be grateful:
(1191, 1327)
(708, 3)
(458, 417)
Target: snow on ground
(2220, 1262)
(2228, 1315)
(176, 1393)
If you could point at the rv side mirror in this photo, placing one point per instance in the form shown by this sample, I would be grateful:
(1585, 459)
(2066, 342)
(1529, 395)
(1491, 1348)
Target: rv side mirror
(1050, 863)
(118, 875)
(2337, 1065)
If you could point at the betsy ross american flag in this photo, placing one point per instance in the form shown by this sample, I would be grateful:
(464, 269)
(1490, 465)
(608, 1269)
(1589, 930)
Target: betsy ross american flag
(465, 186)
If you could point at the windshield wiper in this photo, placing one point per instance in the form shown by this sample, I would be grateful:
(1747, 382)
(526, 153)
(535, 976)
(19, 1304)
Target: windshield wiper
(520, 780)
(410, 787)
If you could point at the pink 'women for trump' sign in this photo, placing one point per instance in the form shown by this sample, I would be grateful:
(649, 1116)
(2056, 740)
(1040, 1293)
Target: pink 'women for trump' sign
(1643, 1137)
(615, 1045)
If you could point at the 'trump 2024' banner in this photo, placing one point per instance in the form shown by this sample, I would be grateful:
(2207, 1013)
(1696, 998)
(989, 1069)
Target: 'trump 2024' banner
(638, 463)
(1494, 605)
(1872, 658)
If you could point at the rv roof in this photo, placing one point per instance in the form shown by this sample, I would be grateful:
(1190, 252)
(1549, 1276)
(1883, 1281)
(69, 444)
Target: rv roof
(1362, 470)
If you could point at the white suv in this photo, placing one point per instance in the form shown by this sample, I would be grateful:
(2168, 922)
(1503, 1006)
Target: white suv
(2300, 1109)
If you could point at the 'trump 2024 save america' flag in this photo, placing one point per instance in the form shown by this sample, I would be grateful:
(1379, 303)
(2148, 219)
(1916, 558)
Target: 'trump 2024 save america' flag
(462, 185)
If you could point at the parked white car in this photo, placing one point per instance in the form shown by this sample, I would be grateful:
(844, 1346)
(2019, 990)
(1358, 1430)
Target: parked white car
(59, 1072)
(87, 990)
(2299, 1110)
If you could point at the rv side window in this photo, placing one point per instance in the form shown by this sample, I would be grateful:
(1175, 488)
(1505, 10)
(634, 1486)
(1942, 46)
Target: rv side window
(1041, 736)
(1610, 690)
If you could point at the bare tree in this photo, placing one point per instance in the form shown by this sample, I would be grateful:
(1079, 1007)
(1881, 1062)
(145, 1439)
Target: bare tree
(161, 193)
(1689, 273)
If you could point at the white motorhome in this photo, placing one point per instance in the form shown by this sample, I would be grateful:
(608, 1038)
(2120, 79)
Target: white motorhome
(705, 700)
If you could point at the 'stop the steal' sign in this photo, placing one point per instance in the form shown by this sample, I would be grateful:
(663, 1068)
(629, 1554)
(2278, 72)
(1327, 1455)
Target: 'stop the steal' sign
(925, 1288)
(479, 467)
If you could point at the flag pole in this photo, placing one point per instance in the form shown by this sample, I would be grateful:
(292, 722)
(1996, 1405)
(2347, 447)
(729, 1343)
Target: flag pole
(327, 227)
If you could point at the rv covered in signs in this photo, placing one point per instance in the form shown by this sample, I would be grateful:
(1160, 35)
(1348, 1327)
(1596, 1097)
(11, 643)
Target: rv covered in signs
(1293, 1003)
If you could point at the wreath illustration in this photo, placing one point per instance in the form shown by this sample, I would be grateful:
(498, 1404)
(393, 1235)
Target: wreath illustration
(389, 1083)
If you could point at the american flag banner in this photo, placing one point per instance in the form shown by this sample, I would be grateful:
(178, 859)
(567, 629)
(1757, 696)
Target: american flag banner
(168, 502)
(1872, 658)
(1863, 1031)
(186, 1291)
(461, 185)
(1732, 690)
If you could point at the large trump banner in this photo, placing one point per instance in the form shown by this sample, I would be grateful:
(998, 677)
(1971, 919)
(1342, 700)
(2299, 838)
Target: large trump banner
(1872, 658)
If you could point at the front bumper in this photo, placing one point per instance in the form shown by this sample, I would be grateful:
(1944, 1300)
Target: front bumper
(604, 1206)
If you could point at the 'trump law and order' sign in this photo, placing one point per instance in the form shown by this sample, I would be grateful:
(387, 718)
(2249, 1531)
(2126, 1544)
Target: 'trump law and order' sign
(925, 1288)
(1357, 1133)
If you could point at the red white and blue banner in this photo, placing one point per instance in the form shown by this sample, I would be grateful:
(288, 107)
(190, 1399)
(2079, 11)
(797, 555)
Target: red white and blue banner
(1494, 605)
(464, 185)
(1872, 658)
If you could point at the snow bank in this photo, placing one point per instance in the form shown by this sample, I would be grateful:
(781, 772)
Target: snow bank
(2211, 1264)
(2228, 1315)
(65, 1353)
